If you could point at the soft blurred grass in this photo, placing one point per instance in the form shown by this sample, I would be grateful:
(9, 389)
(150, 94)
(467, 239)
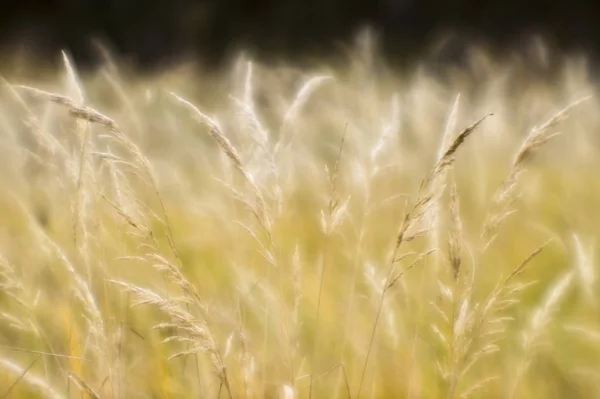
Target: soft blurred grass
(251, 304)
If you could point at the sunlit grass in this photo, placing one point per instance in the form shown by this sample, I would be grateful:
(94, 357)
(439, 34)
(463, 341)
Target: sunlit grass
(150, 249)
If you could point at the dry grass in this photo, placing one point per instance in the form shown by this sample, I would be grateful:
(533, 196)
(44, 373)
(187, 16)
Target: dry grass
(329, 233)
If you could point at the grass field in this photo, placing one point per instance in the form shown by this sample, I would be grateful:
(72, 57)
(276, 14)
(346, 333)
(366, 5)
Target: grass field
(269, 232)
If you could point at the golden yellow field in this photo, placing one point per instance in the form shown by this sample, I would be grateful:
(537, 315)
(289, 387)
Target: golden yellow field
(274, 232)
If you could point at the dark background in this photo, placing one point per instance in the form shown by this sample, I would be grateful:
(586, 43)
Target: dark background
(151, 32)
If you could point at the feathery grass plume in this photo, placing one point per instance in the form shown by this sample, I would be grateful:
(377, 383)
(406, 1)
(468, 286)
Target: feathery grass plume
(141, 161)
(411, 218)
(426, 194)
(388, 128)
(536, 330)
(460, 299)
(261, 163)
(330, 221)
(248, 109)
(448, 135)
(447, 157)
(73, 82)
(77, 110)
(483, 326)
(90, 115)
(507, 193)
(455, 326)
(188, 328)
(544, 313)
(23, 374)
(258, 133)
(217, 135)
(585, 269)
(450, 126)
(48, 141)
(80, 201)
(501, 298)
(302, 96)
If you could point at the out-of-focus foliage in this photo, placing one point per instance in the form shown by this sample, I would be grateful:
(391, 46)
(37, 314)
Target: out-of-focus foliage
(154, 31)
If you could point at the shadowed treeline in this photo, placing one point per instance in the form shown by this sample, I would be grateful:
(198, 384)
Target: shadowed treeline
(153, 31)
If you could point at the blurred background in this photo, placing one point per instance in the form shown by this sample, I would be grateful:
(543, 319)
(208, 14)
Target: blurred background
(152, 33)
